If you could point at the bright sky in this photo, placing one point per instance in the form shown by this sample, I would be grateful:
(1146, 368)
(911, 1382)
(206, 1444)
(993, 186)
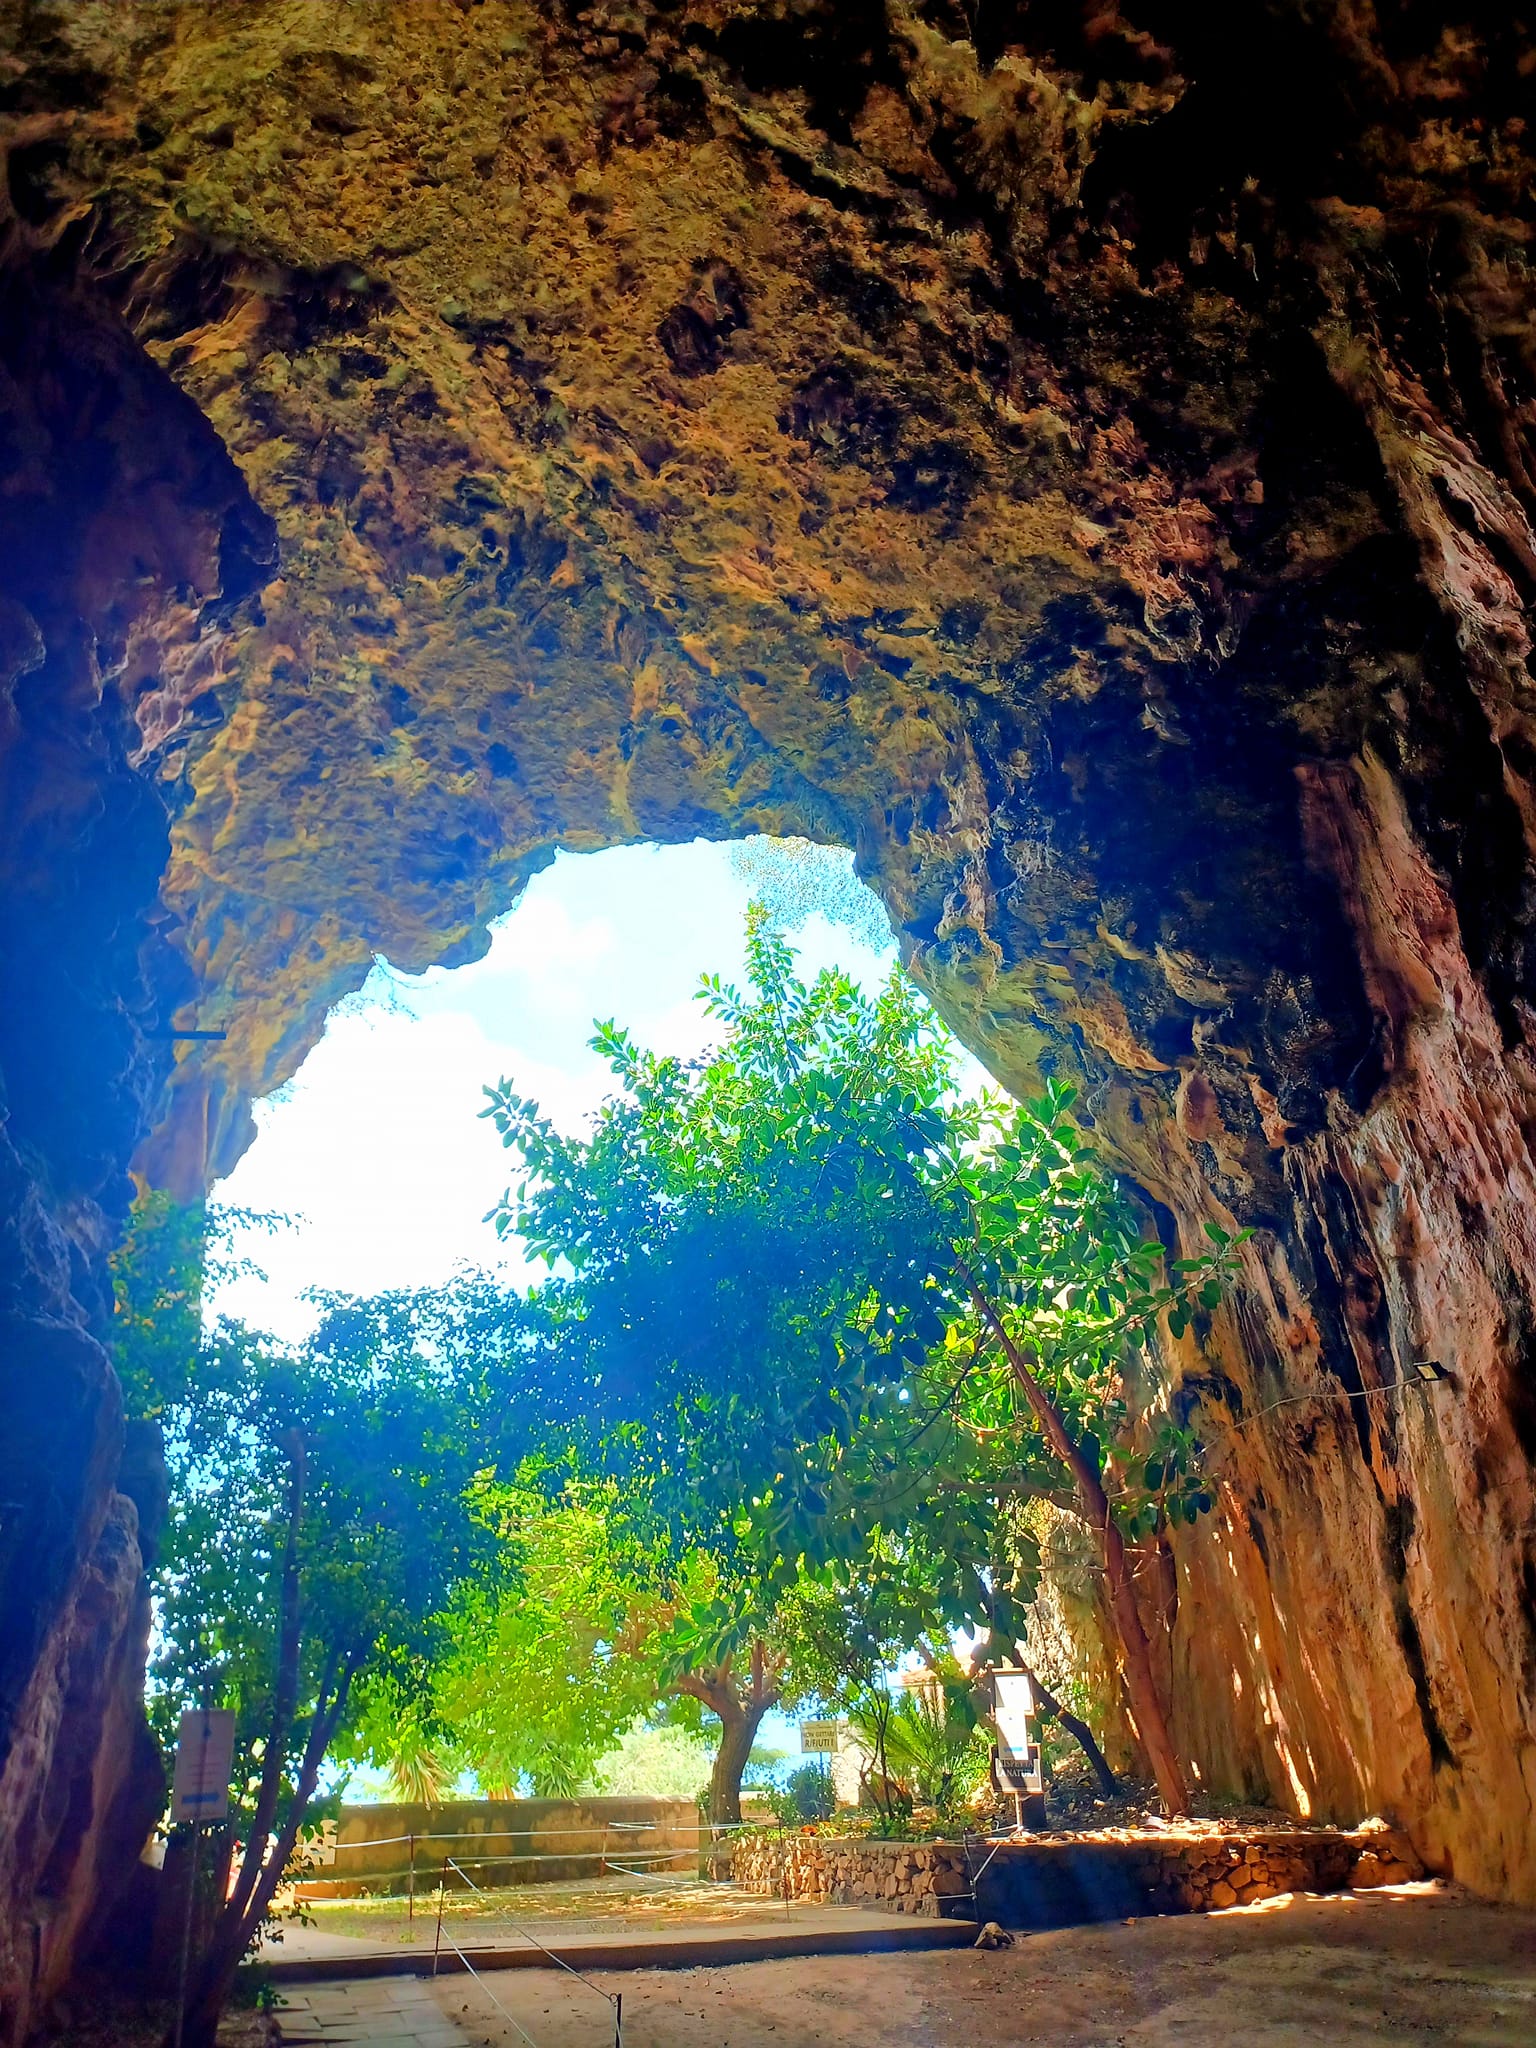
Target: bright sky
(377, 1143)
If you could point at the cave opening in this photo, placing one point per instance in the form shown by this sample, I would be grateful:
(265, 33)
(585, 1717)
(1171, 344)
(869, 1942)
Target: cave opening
(376, 1152)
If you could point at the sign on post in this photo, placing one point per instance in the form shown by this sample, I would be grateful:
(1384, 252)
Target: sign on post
(1016, 1765)
(205, 1754)
(819, 1738)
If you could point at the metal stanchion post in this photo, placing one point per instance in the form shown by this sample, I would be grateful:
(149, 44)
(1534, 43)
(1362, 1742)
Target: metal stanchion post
(438, 1938)
(186, 1935)
(410, 1883)
(618, 2019)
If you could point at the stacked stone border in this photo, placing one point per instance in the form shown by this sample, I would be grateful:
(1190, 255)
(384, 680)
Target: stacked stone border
(1064, 1881)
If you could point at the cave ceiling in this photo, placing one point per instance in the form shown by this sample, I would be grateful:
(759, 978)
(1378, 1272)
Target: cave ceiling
(719, 418)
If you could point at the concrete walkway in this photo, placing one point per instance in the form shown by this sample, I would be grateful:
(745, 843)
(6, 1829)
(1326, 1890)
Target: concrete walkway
(809, 1931)
(388, 2012)
(310, 1955)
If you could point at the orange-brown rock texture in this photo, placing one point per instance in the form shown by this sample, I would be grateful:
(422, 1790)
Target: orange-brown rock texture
(1078, 455)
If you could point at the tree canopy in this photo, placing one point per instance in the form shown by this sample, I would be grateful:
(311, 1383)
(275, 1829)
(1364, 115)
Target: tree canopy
(825, 1315)
(815, 1331)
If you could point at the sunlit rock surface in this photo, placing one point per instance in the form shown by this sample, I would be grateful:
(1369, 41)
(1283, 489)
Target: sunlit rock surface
(1080, 458)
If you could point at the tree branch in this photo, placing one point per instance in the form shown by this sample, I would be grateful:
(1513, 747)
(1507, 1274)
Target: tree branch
(1079, 1730)
(718, 1698)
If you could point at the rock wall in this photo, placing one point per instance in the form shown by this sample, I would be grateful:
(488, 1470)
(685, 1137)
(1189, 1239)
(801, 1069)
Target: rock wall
(1076, 455)
(1064, 1881)
(119, 530)
(931, 1878)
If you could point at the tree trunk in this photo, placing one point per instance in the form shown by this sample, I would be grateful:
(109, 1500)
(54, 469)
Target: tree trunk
(1140, 1679)
(1136, 1651)
(1080, 1732)
(738, 1732)
(285, 1690)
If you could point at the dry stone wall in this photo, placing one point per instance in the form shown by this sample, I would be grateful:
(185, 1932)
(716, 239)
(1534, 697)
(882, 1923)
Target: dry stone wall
(1073, 1879)
(902, 1877)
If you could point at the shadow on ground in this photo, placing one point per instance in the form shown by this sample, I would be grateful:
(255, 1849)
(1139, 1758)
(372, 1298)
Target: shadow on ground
(1418, 1965)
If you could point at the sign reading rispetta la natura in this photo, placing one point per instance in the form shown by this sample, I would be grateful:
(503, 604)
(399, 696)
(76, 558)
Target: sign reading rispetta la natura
(205, 1754)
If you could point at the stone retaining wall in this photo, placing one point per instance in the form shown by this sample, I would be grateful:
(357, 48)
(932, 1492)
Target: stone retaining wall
(1076, 1878)
(853, 1870)
(502, 1842)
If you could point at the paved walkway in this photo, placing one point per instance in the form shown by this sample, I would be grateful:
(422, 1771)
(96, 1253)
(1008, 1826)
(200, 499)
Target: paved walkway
(386, 2012)
(310, 1955)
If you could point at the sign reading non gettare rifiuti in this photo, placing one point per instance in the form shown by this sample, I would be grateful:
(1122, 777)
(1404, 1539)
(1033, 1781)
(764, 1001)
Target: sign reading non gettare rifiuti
(819, 1738)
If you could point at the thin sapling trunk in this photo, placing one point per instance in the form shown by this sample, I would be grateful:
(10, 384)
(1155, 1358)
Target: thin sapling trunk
(240, 1921)
(1079, 1730)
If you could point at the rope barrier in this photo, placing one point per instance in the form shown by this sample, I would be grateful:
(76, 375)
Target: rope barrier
(676, 1882)
(725, 1827)
(614, 1999)
(480, 1862)
(342, 1852)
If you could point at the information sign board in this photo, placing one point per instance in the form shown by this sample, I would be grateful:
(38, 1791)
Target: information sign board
(1016, 1765)
(1013, 1708)
(205, 1751)
(819, 1738)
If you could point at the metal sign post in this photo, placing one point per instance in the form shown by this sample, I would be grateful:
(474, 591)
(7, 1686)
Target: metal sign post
(205, 1750)
(823, 1739)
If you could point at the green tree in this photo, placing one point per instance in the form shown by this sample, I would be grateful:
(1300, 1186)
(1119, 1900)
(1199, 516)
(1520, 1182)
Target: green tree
(602, 1626)
(316, 1532)
(811, 1296)
(655, 1758)
(171, 1258)
(545, 1675)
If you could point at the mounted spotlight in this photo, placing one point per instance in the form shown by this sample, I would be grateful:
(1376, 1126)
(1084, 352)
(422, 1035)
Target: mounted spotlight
(1423, 1372)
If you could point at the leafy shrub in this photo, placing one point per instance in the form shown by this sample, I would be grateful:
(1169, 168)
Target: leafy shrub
(806, 1795)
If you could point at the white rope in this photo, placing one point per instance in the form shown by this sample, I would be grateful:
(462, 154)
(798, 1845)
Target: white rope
(614, 2004)
(490, 1994)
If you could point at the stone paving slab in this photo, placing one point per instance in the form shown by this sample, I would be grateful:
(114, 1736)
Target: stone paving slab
(381, 2013)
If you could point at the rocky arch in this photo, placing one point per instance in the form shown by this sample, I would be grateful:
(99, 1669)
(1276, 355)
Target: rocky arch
(1009, 441)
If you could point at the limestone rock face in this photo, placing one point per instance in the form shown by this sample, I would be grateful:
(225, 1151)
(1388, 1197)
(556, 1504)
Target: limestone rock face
(1079, 456)
(125, 531)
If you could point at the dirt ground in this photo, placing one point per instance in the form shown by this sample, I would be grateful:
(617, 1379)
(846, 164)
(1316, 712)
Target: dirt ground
(1418, 1965)
(601, 1906)
(100, 2018)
